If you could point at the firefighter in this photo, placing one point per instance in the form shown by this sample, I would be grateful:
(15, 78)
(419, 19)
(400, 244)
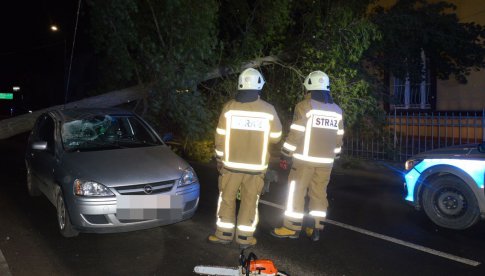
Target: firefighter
(314, 141)
(247, 125)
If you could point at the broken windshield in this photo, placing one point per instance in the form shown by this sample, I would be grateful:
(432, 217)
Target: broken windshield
(101, 132)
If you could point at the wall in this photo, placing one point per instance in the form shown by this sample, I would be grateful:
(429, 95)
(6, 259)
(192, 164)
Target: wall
(450, 94)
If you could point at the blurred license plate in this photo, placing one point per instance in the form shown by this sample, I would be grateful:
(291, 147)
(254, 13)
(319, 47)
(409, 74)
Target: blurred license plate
(143, 207)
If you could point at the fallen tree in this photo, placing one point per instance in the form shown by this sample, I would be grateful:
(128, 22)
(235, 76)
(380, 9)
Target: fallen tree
(23, 123)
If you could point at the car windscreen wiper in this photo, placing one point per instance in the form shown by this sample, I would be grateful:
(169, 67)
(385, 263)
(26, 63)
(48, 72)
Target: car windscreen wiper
(98, 146)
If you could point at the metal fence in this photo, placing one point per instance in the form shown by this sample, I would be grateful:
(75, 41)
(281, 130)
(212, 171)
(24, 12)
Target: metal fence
(409, 133)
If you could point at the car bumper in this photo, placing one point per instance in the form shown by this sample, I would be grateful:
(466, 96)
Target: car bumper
(100, 215)
(411, 179)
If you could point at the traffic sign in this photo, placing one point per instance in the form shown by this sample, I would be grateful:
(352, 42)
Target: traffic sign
(6, 96)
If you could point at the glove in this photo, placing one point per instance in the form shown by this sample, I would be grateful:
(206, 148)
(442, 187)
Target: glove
(285, 162)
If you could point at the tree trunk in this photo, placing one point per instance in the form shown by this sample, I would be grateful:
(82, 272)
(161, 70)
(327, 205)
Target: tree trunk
(225, 71)
(23, 123)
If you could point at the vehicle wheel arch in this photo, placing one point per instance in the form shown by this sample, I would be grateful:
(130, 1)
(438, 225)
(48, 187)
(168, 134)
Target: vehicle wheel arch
(437, 171)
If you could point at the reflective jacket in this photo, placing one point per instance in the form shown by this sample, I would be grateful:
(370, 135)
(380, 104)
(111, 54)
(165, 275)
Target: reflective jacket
(316, 133)
(243, 135)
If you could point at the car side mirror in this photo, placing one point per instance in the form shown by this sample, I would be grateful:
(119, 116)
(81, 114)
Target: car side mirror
(41, 145)
(481, 148)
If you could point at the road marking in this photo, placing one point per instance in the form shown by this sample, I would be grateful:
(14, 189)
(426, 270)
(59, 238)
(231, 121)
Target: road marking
(390, 239)
(4, 270)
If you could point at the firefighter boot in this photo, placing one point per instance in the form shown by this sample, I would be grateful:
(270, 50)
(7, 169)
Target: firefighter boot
(252, 242)
(313, 233)
(284, 232)
(215, 239)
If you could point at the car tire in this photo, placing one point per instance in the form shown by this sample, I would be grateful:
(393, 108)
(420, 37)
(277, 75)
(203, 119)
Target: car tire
(450, 203)
(32, 187)
(63, 219)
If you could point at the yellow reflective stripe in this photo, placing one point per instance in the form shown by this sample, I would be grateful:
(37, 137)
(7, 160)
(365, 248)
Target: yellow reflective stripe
(251, 228)
(249, 114)
(340, 132)
(289, 147)
(321, 214)
(246, 228)
(275, 134)
(227, 225)
(298, 127)
(289, 204)
(313, 159)
(219, 223)
(219, 153)
(293, 215)
(337, 150)
(324, 113)
(229, 117)
(228, 137)
(221, 131)
(253, 167)
(306, 145)
(265, 143)
(219, 204)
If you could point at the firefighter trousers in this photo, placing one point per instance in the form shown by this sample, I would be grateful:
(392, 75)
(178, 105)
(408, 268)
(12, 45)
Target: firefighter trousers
(307, 180)
(247, 218)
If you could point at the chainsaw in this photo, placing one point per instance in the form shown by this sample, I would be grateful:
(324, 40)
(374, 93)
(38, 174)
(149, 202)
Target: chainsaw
(249, 266)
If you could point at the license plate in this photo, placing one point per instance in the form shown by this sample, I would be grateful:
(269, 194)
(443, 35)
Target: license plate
(144, 207)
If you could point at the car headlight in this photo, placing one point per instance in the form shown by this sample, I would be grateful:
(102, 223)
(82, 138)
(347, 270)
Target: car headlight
(90, 188)
(411, 163)
(188, 177)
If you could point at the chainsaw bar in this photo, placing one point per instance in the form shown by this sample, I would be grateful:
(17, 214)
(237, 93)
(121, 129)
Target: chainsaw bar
(217, 270)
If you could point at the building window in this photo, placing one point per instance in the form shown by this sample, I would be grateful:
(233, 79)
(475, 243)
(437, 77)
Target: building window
(412, 95)
(407, 95)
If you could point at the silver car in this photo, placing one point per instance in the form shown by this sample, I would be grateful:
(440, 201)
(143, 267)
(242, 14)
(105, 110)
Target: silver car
(107, 170)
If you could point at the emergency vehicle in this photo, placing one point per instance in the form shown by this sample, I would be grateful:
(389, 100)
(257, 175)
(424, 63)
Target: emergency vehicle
(448, 184)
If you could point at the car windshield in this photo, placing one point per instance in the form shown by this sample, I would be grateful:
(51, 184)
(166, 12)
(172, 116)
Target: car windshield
(102, 132)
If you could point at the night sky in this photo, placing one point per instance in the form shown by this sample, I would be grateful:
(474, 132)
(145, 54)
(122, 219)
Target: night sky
(31, 55)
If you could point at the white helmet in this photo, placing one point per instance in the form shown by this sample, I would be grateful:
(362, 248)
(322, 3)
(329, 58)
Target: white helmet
(250, 79)
(317, 80)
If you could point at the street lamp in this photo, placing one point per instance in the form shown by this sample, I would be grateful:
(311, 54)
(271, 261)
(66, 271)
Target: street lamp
(16, 88)
(54, 28)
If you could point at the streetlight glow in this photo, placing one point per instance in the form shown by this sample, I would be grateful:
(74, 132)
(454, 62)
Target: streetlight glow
(16, 88)
(54, 28)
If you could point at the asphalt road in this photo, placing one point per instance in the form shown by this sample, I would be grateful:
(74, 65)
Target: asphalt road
(370, 231)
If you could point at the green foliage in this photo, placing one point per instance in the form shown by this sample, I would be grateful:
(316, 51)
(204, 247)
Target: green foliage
(173, 44)
(200, 150)
(411, 27)
(169, 43)
(250, 29)
(335, 44)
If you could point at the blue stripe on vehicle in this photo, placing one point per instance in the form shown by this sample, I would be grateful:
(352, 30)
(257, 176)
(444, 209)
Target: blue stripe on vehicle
(474, 168)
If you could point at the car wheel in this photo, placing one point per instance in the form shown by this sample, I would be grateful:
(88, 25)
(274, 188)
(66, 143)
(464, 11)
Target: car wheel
(450, 203)
(32, 188)
(63, 220)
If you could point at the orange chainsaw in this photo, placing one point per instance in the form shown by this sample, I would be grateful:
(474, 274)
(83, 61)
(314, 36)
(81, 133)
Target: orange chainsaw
(249, 266)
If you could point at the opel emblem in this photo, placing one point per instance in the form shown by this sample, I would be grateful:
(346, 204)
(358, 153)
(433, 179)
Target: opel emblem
(148, 189)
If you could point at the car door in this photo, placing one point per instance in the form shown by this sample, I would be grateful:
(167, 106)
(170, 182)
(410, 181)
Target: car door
(43, 161)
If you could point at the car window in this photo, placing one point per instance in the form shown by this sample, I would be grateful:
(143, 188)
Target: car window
(46, 131)
(103, 132)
